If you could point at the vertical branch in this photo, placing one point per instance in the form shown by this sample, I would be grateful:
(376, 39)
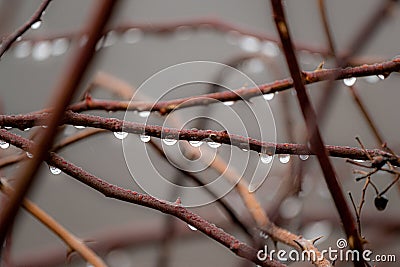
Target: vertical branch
(316, 142)
(65, 90)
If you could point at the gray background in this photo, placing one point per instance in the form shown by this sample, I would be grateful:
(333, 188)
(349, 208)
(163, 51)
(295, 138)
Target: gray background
(26, 85)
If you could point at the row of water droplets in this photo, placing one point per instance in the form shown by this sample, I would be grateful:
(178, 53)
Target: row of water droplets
(370, 79)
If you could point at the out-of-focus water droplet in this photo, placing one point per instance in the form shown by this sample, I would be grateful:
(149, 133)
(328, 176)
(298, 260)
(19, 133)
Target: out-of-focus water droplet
(110, 39)
(250, 44)
(254, 65)
(79, 127)
(284, 158)
(169, 141)
(4, 144)
(132, 36)
(232, 37)
(29, 155)
(381, 76)
(195, 143)
(89, 264)
(54, 170)
(191, 227)
(320, 228)
(372, 79)
(265, 158)
(144, 138)
(213, 144)
(26, 129)
(350, 81)
(290, 207)
(304, 157)
(60, 46)
(36, 25)
(228, 103)
(22, 49)
(144, 114)
(42, 51)
(270, 49)
(120, 135)
(7, 127)
(183, 32)
(269, 96)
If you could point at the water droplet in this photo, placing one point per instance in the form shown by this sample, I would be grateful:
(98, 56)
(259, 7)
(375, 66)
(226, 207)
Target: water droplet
(110, 39)
(100, 43)
(169, 141)
(284, 158)
(254, 65)
(144, 114)
(183, 32)
(350, 81)
(41, 51)
(265, 158)
(269, 96)
(228, 103)
(4, 144)
(44, 126)
(195, 143)
(372, 79)
(54, 170)
(232, 37)
(191, 227)
(18, 39)
(381, 76)
(60, 46)
(270, 49)
(29, 155)
(250, 44)
(36, 25)
(7, 127)
(304, 157)
(132, 36)
(290, 208)
(26, 129)
(213, 144)
(79, 127)
(144, 138)
(120, 135)
(22, 49)
(89, 264)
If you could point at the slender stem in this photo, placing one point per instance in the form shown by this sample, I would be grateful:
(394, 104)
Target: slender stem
(65, 90)
(73, 242)
(112, 191)
(316, 143)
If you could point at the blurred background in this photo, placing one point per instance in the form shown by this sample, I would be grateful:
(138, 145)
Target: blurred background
(131, 235)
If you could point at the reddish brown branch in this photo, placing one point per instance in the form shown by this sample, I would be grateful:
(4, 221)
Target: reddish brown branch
(65, 89)
(384, 68)
(116, 125)
(10, 39)
(113, 191)
(316, 143)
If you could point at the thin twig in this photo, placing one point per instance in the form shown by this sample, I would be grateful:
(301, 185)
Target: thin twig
(65, 89)
(112, 191)
(10, 39)
(116, 125)
(73, 242)
(316, 143)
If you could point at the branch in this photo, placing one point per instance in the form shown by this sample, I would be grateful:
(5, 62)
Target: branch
(65, 89)
(112, 191)
(164, 107)
(10, 39)
(73, 242)
(316, 142)
(117, 125)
